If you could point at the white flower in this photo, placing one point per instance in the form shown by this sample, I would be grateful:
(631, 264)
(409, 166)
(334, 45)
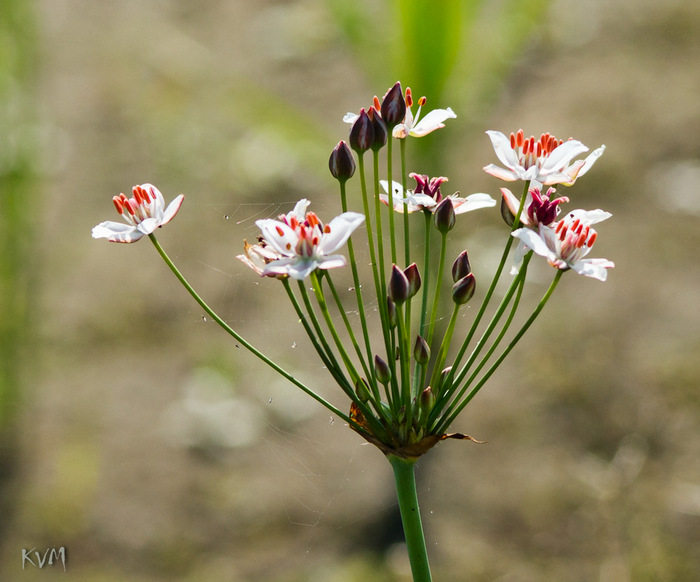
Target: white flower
(304, 242)
(427, 196)
(566, 243)
(143, 213)
(417, 127)
(547, 160)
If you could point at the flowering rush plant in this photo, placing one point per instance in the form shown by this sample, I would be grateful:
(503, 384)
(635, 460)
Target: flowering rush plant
(406, 377)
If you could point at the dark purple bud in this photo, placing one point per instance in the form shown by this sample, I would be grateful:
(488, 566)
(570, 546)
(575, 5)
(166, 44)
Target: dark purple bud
(421, 351)
(362, 133)
(445, 217)
(463, 290)
(341, 162)
(414, 280)
(398, 286)
(461, 267)
(380, 131)
(382, 370)
(394, 106)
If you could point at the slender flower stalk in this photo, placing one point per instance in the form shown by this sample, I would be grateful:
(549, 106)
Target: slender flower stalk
(403, 396)
(235, 335)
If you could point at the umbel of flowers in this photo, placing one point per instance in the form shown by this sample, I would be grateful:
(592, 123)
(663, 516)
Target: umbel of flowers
(406, 388)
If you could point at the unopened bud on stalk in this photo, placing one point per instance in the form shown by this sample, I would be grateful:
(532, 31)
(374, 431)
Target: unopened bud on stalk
(341, 163)
(413, 277)
(506, 214)
(398, 286)
(362, 133)
(445, 216)
(393, 106)
(382, 370)
(380, 131)
(362, 390)
(421, 351)
(427, 399)
(463, 290)
(391, 313)
(461, 267)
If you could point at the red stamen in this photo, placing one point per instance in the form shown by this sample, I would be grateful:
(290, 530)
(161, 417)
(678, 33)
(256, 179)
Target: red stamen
(409, 97)
(591, 240)
(520, 138)
(118, 203)
(279, 230)
(377, 103)
(512, 141)
(327, 229)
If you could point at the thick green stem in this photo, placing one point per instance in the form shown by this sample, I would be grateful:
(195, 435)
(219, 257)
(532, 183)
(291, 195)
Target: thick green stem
(405, 478)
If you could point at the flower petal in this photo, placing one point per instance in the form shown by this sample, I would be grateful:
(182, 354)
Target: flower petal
(561, 156)
(589, 217)
(501, 173)
(432, 121)
(505, 153)
(472, 202)
(116, 232)
(595, 268)
(340, 229)
(299, 211)
(280, 236)
(590, 160)
(172, 209)
(533, 241)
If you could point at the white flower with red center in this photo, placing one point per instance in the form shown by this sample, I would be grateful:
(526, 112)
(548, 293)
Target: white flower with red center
(566, 243)
(546, 160)
(143, 213)
(427, 196)
(417, 127)
(304, 242)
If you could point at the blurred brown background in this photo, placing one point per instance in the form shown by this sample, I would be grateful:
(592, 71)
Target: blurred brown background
(151, 448)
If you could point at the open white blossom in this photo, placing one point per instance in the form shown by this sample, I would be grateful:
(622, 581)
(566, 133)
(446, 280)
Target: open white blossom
(304, 242)
(143, 213)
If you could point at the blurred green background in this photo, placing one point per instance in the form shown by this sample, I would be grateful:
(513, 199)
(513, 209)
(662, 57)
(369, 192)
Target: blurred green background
(137, 436)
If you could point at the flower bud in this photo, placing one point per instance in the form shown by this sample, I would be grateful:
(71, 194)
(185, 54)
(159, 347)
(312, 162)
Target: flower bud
(382, 370)
(414, 280)
(506, 214)
(362, 133)
(398, 286)
(391, 312)
(362, 390)
(463, 290)
(380, 131)
(393, 106)
(341, 163)
(421, 351)
(427, 399)
(461, 267)
(445, 217)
